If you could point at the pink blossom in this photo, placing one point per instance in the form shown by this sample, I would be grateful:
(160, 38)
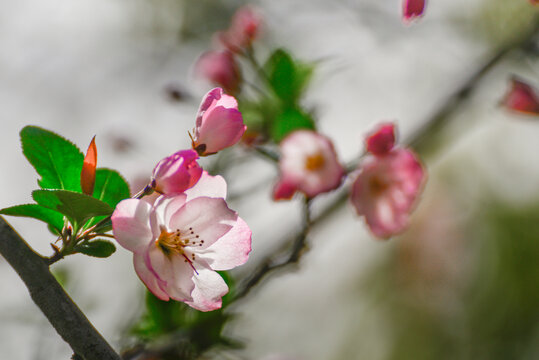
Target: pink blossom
(387, 187)
(244, 28)
(522, 98)
(180, 242)
(308, 164)
(176, 173)
(412, 9)
(382, 140)
(220, 68)
(219, 123)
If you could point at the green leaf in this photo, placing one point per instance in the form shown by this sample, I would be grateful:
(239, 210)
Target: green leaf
(290, 120)
(110, 187)
(282, 74)
(76, 206)
(97, 248)
(51, 217)
(287, 77)
(57, 160)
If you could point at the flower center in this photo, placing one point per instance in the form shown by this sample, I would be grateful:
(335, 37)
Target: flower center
(315, 162)
(176, 242)
(377, 185)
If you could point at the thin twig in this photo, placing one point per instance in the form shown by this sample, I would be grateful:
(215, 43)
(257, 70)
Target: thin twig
(68, 320)
(299, 246)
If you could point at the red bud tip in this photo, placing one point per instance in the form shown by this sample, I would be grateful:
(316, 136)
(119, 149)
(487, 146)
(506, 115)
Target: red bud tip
(87, 175)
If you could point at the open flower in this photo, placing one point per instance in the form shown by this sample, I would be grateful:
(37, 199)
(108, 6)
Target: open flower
(220, 68)
(308, 164)
(412, 9)
(244, 28)
(522, 98)
(176, 173)
(388, 184)
(219, 123)
(180, 242)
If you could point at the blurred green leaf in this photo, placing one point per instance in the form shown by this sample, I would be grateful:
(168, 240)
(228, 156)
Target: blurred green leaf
(76, 206)
(98, 248)
(196, 331)
(51, 217)
(288, 121)
(57, 160)
(287, 77)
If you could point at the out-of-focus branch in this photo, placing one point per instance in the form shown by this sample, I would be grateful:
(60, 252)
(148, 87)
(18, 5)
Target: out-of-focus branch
(419, 140)
(270, 264)
(68, 320)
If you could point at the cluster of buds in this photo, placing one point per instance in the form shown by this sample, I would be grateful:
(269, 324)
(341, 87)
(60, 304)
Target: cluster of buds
(220, 66)
(188, 233)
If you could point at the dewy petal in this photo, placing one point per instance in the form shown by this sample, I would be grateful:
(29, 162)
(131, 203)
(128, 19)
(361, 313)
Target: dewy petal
(221, 128)
(382, 139)
(131, 224)
(231, 250)
(208, 291)
(173, 272)
(148, 278)
(412, 9)
(210, 218)
(208, 186)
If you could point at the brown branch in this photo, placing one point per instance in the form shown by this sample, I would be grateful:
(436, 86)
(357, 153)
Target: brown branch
(270, 264)
(68, 320)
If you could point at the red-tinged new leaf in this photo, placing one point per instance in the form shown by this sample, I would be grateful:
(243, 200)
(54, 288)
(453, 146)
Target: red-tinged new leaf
(87, 175)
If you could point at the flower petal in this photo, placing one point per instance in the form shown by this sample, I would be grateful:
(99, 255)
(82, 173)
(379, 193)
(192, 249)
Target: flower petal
(208, 291)
(172, 270)
(221, 127)
(208, 186)
(210, 218)
(131, 224)
(231, 250)
(148, 278)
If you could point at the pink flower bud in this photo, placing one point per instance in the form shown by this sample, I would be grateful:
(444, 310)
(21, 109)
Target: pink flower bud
(220, 68)
(244, 28)
(412, 9)
(386, 189)
(219, 123)
(522, 98)
(308, 164)
(176, 173)
(382, 139)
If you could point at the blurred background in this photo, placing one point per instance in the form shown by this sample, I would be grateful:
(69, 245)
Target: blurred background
(461, 283)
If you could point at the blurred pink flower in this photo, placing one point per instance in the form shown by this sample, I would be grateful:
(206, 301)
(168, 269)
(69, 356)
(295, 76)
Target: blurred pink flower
(383, 140)
(412, 9)
(176, 173)
(243, 30)
(522, 98)
(179, 242)
(308, 164)
(219, 123)
(221, 69)
(387, 186)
